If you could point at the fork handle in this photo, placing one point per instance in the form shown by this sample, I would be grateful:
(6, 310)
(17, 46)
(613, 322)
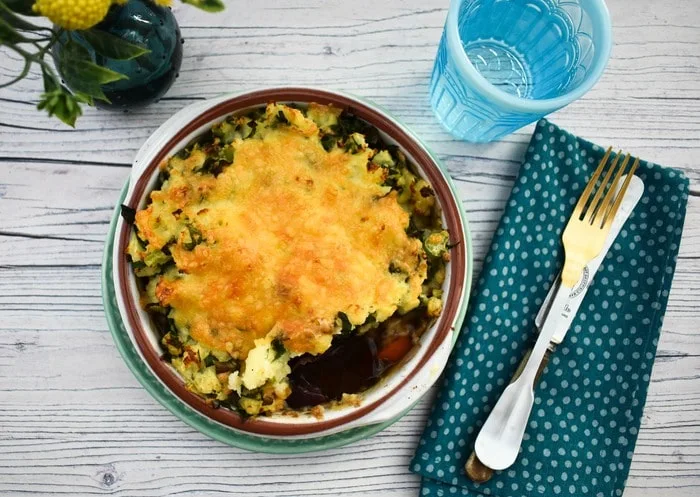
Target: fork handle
(498, 442)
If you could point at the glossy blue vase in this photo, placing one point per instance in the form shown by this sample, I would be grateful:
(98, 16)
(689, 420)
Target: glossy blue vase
(150, 75)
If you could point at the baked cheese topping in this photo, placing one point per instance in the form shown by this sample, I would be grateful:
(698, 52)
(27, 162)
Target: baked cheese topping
(292, 235)
(271, 236)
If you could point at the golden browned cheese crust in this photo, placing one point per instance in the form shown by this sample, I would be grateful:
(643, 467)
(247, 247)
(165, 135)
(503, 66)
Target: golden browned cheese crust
(293, 236)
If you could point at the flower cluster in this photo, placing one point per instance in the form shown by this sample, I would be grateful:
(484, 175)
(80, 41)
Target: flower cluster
(79, 14)
(73, 14)
(72, 19)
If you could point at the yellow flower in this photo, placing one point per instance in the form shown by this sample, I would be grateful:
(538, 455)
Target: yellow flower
(73, 14)
(164, 3)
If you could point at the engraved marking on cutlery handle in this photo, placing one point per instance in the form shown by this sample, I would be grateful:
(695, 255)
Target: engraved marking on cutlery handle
(582, 284)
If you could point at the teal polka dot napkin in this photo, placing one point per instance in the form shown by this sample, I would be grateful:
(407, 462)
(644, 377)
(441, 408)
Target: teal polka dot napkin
(589, 401)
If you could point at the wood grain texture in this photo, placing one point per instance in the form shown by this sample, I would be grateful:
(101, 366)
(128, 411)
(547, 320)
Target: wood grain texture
(74, 421)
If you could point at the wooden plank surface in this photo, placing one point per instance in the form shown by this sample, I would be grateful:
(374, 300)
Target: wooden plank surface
(74, 421)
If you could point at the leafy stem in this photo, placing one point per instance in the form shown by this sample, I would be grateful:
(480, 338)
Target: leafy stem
(20, 76)
(37, 58)
(78, 62)
(55, 35)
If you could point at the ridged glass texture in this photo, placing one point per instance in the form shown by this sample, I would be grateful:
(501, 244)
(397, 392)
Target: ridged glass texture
(507, 63)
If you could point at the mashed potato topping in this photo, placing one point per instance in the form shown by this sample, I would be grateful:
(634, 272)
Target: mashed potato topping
(269, 237)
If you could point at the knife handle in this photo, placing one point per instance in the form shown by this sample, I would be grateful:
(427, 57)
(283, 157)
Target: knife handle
(543, 364)
(477, 471)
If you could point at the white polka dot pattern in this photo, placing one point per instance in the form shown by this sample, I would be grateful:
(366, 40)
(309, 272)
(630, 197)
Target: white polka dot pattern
(589, 402)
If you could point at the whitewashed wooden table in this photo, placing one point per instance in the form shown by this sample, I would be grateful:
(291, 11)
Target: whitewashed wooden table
(73, 419)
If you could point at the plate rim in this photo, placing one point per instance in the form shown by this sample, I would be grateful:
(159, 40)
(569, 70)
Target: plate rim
(227, 434)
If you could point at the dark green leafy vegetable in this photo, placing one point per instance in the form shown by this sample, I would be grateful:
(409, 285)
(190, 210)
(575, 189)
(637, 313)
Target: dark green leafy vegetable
(328, 142)
(394, 269)
(253, 126)
(184, 153)
(172, 344)
(278, 347)
(346, 325)
(195, 238)
(225, 131)
(281, 118)
(225, 367)
(412, 230)
(258, 113)
(128, 214)
(160, 321)
(352, 144)
(349, 124)
(255, 393)
(139, 264)
(217, 159)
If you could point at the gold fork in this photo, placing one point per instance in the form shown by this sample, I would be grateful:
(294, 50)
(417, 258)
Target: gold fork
(499, 440)
(590, 223)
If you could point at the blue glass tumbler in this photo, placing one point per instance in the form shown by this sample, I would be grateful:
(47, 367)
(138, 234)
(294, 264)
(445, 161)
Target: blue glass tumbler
(503, 64)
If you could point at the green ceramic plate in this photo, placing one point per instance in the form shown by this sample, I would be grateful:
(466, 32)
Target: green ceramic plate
(189, 416)
(214, 429)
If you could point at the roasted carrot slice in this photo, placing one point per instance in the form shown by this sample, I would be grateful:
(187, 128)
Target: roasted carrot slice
(396, 349)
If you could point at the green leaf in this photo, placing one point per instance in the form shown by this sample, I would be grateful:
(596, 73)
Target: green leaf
(23, 7)
(85, 89)
(207, 5)
(62, 104)
(85, 99)
(77, 59)
(112, 46)
(89, 71)
(82, 74)
(49, 81)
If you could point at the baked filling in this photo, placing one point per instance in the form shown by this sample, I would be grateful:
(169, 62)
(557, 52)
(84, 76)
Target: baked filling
(277, 236)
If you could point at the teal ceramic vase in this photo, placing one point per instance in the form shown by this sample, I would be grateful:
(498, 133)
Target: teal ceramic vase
(150, 75)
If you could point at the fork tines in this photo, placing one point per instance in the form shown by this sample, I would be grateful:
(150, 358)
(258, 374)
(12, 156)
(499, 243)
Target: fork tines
(608, 196)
